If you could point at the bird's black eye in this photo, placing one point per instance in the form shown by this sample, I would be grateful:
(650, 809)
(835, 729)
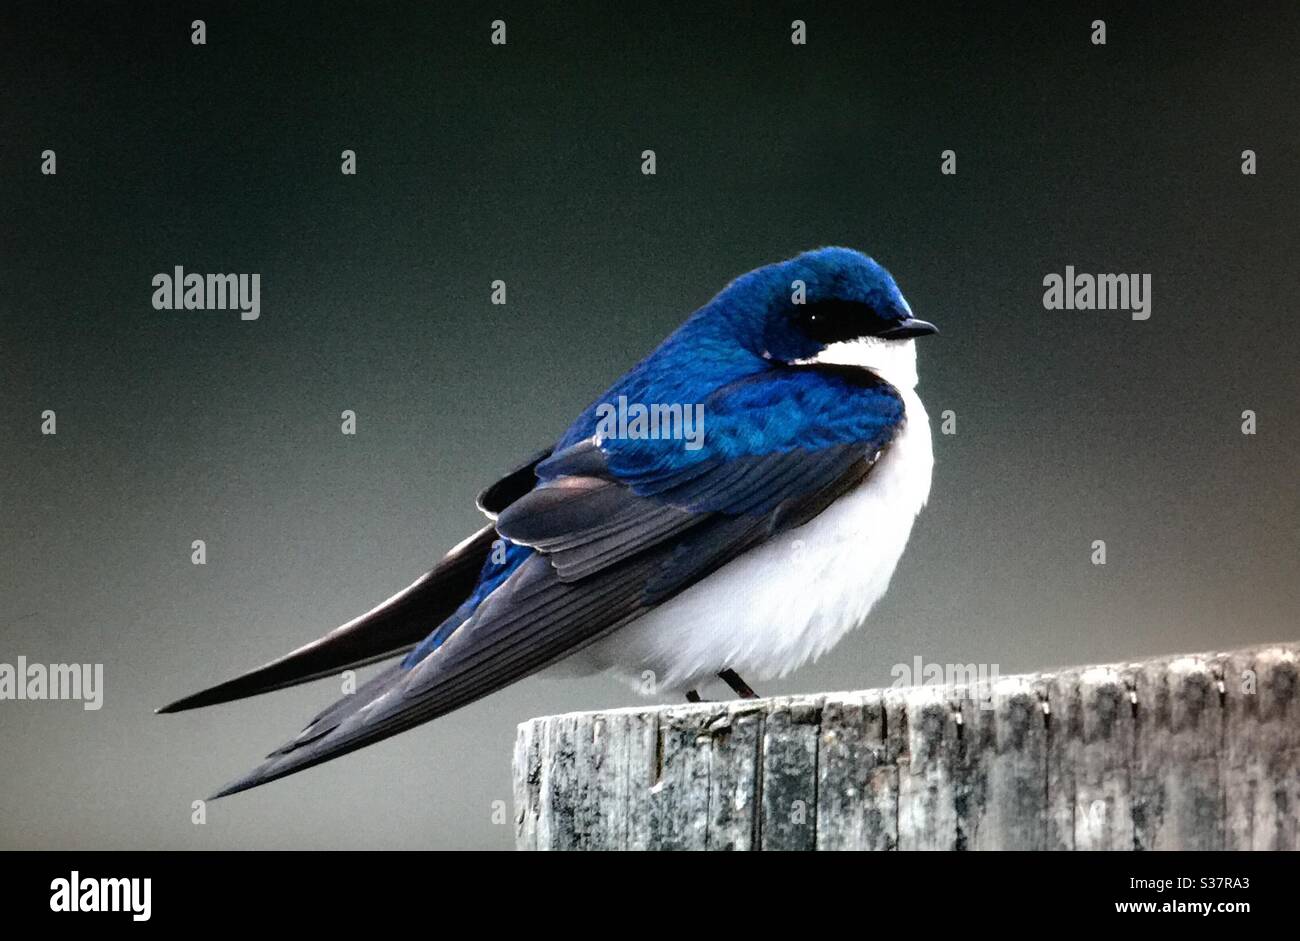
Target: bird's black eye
(827, 322)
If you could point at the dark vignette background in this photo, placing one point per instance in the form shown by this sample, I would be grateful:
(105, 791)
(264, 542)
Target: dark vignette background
(522, 163)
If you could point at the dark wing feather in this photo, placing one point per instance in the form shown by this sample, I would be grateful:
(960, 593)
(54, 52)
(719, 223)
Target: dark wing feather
(393, 627)
(492, 500)
(528, 623)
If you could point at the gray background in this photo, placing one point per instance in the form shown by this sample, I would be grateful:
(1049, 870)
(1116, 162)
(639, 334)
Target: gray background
(522, 163)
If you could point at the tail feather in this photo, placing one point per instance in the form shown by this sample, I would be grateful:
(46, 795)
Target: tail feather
(392, 628)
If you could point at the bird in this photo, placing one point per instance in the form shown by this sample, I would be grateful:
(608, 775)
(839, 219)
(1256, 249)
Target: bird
(748, 549)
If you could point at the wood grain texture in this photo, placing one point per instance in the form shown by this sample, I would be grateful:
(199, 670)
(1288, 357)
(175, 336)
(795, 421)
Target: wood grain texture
(1185, 752)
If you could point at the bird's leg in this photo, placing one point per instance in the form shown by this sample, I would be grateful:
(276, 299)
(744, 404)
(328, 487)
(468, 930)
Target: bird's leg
(738, 686)
(692, 696)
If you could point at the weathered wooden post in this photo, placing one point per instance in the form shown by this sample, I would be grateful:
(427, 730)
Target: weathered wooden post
(1189, 752)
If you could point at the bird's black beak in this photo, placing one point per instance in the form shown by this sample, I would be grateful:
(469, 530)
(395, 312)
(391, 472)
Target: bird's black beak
(911, 327)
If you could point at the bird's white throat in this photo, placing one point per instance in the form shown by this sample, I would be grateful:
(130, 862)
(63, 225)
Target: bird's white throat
(892, 360)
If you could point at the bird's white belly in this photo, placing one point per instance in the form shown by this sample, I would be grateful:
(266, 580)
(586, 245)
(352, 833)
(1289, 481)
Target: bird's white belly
(789, 600)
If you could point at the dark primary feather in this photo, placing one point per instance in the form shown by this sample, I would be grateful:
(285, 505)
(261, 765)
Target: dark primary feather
(615, 528)
(391, 628)
(492, 500)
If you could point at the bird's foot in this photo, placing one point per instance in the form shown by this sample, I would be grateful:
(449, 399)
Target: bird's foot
(738, 686)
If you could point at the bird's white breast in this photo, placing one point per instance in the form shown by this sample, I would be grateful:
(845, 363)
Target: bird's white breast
(791, 599)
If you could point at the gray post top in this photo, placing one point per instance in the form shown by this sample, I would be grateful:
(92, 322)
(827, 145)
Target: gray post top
(1189, 751)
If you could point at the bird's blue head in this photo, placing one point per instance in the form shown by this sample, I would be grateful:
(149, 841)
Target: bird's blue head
(831, 305)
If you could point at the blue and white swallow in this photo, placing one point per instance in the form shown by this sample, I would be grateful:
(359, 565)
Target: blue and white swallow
(749, 550)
